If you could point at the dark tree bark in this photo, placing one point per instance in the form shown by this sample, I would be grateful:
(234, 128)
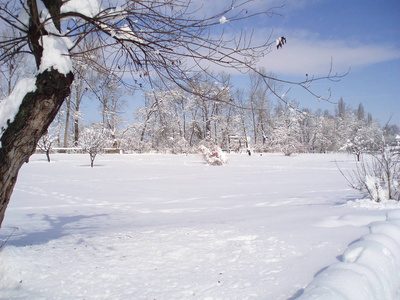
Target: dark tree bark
(37, 111)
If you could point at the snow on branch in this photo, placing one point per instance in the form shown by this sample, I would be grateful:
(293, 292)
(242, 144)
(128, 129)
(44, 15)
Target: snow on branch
(9, 106)
(56, 54)
(89, 8)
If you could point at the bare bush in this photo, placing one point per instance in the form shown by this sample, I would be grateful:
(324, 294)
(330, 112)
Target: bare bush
(378, 177)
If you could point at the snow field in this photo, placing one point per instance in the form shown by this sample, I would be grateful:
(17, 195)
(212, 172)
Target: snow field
(171, 227)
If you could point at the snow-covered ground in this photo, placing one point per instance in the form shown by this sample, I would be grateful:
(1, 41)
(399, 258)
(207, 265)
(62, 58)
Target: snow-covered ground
(170, 227)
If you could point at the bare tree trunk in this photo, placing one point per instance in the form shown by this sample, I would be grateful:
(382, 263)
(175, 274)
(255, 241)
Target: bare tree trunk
(92, 158)
(48, 155)
(76, 131)
(66, 129)
(37, 111)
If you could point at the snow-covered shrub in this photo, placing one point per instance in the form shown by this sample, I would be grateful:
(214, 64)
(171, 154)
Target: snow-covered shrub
(378, 177)
(180, 145)
(213, 155)
(291, 148)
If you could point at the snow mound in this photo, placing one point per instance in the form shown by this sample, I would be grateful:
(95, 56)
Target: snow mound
(372, 205)
(370, 267)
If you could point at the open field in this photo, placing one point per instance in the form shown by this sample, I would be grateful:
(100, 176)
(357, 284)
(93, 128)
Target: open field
(170, 227)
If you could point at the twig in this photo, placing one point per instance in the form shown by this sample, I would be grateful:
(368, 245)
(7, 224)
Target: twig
(3, 243)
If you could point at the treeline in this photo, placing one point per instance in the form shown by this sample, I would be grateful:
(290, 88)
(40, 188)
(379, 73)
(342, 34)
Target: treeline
(208, 110)
(176, 121)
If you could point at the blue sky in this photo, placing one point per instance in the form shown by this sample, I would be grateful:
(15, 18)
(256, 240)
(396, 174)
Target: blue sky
(363, 35)
(360, 35)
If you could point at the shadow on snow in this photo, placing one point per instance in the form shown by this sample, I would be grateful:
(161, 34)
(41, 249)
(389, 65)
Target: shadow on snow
(58, 228)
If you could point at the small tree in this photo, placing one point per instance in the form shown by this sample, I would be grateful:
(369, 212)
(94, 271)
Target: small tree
(45, 144)
(362, 136)
(92, 141)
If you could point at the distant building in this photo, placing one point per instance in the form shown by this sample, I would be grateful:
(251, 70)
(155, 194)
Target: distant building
(238, 143)
(398, 140)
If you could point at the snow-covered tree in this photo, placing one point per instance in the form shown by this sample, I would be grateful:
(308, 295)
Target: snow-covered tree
(390, 132)
(46, 143)
(79, 88)
(174, 119)
(355, 133)
(93, 141)
(363, 138)
(259, 109)
(286, 130)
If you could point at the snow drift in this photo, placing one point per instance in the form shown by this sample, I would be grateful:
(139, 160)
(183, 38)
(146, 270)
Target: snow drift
(369, 268)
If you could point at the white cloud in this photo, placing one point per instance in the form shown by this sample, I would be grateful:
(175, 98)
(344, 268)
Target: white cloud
(313, 56)
(212, 7)
(306, 52)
